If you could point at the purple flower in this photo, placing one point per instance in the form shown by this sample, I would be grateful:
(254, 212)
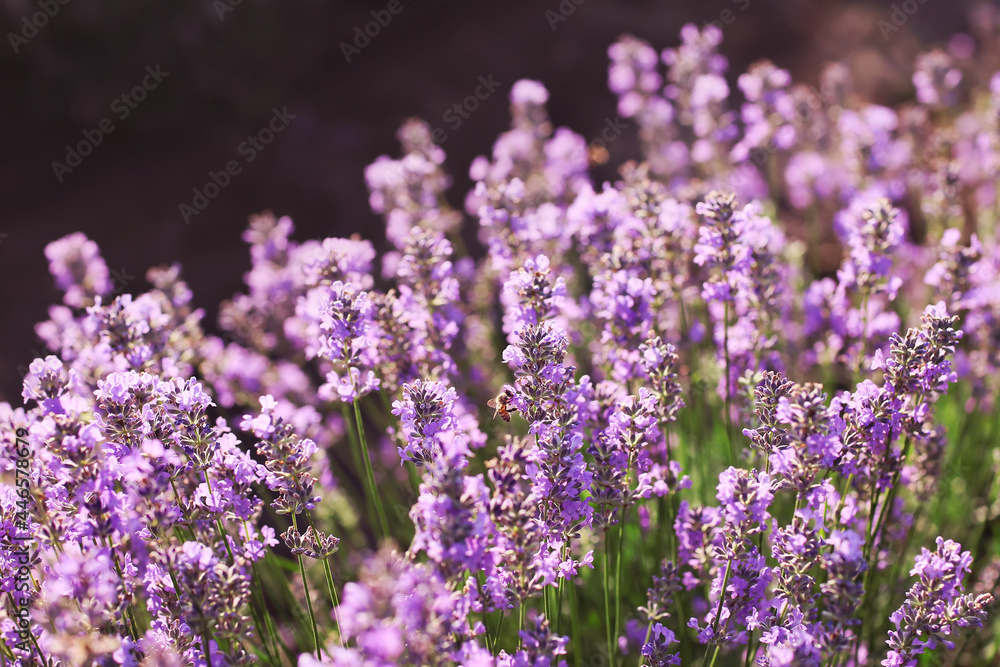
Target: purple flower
(659, 360)
(76, 263)
(531, 296)
(936, 79)
(935, 605)
(810, 442)
(739, 249)
(872, 229)
(349, 341)
(768, 436)
(451, 518)
(287, 459)
(540, 646)
(656, 649)
(767, 113)
(403, 613)
(744, 497)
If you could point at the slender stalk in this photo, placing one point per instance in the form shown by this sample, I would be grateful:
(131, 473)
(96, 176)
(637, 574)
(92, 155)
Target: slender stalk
(503, 614)
(268, 622)
(547, 603)
(333, 596)
(682, 636)
(559, 594)
(359, 467)
(751, 650)
(718, 613)
(259, 609)
(370, 473)
(869, 533)
(607, 596)
(893, 492)
(490, 642)
(662, 514)
(574, 624)
(671, 533)
(132, 626)
(309, 606)
(843, 497)
(520, 625)
(874, 527)
(305, 588)
(205, 648)
(486, 631)
(386, 405)
(618, 577)
(649, 631)
(863, 352)
(729, 398)
(715, 654)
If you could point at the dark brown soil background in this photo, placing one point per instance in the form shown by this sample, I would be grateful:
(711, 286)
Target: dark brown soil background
(225, 76)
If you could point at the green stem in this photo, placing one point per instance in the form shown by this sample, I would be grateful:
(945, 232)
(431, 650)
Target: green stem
(729, 398)
(486, 632)
(574, 624)
(715, 654)
(370, 473)
(618, 576)
(751, 650)
(547, 604)
(520, 625)
(874, 527)
(333, 596)
(863, 352)
(490, 642)
(205, 646)
(718, 611)
(309, 604)
(503, 614)
(893, 492)
(130, 623)
(682, 636)
(559, 594)
(843, 497)
(259, 609)
(649, 631)
(268, 623)
(386, 405)
(607, 595)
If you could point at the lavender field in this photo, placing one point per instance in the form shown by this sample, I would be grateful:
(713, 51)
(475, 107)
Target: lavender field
(730, 400)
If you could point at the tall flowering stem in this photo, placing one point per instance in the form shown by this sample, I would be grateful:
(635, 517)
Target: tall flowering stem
(366, 459)
(305, 588)
(935, 605)
(721, 249)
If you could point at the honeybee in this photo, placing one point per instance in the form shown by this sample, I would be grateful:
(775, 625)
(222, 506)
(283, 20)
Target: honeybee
(501, 404)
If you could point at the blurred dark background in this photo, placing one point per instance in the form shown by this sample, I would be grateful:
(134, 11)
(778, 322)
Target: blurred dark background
(229, 64)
